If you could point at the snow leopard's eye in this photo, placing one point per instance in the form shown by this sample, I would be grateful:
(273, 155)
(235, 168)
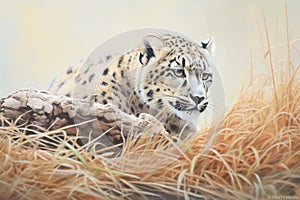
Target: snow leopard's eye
(179, 73)
(206, 76)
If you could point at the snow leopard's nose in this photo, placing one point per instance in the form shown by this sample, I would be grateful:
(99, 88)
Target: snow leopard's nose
(197, 99)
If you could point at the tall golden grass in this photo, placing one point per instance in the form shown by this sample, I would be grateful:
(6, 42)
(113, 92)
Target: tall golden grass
(256, 154)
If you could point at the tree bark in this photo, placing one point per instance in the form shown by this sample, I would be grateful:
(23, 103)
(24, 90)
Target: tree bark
(30, 106)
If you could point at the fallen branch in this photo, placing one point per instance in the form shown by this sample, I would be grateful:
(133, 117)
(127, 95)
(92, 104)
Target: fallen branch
(30, 106)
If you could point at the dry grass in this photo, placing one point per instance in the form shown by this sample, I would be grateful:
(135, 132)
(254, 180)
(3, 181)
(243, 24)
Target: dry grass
(256, 153)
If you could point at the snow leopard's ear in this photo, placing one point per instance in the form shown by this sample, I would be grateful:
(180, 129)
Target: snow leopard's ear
(209, 45)
(151, 46)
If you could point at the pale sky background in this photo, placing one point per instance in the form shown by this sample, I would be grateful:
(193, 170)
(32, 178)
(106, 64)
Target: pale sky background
(40, 39)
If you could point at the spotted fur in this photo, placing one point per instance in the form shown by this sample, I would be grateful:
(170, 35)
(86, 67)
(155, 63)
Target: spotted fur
(168, 77)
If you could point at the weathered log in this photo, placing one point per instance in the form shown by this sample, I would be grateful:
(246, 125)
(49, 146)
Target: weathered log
(30, 106)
